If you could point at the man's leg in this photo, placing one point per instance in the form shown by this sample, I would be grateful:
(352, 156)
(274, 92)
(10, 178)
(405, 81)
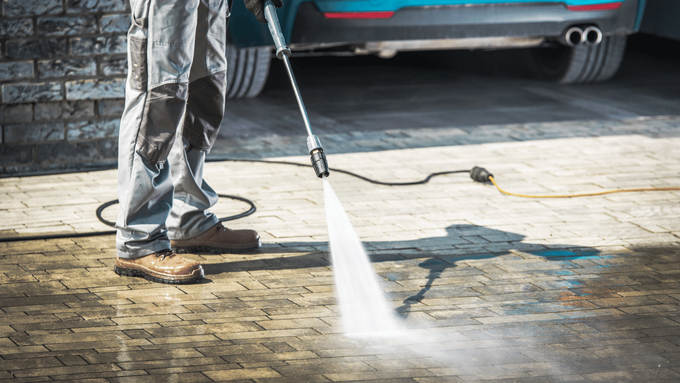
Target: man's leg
(191, 226)
(160, 52)
(189, 216)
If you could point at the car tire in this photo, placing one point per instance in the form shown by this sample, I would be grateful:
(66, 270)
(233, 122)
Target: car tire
(247, 71)
(581, 64)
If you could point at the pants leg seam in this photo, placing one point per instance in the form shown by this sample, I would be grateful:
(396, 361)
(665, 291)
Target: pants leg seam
(126, 204)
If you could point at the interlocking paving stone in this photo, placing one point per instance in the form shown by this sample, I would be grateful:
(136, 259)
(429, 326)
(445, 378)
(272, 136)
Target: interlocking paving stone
(495, 288)
(244, 373)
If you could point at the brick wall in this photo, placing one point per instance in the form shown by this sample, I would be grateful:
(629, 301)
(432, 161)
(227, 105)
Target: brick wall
(62, 74)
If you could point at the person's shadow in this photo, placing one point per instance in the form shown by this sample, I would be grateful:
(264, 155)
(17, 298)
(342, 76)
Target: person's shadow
(499, 243)
(478, 242)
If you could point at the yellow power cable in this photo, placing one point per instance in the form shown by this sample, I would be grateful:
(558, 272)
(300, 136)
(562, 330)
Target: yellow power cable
(584, 194)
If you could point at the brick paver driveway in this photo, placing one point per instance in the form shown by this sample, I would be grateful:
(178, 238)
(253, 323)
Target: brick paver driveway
(492, 287)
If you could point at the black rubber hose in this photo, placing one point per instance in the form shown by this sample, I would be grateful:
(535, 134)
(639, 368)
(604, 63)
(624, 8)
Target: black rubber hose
(246, 213)
(250, 211)
(56, 236)
(240, 215)
(101, 219)
(101, 208)
(423, 181)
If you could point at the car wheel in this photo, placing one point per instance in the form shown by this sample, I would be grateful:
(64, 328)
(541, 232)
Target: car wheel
(581, 64)
(247, 71)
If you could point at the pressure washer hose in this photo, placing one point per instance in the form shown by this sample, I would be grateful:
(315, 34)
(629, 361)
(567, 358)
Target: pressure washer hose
(582, 194)
(482, 175)
(476, 173)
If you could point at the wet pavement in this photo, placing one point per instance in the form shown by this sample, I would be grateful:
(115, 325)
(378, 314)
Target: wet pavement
(492, 287)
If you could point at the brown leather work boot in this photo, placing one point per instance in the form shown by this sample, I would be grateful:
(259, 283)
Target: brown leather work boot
(219, 239)
(164, 266)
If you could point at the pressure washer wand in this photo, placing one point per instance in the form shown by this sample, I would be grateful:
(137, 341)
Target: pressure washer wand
(319, 162)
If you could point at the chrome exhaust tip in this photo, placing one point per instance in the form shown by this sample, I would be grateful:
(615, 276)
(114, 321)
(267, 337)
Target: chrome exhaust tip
(573, 36)
(592, 36)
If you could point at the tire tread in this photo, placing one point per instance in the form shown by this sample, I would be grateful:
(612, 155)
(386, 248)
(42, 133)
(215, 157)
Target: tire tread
(588, 64)
(262, 64)
(247, 71)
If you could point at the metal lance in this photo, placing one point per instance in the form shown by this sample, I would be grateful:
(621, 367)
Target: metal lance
(319, 162)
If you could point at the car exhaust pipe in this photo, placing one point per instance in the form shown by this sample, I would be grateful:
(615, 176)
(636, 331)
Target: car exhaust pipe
(573, 36)
(592, 36)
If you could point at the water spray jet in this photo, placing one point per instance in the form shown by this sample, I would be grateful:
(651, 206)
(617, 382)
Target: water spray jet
(364, 309)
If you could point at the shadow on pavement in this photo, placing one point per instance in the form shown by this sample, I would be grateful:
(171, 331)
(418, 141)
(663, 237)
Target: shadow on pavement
(437, 266)
(492, 243)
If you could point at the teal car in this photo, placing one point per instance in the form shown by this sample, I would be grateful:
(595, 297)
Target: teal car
(572, 41)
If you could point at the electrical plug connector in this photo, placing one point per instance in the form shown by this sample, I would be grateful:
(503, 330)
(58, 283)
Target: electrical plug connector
(480, 174)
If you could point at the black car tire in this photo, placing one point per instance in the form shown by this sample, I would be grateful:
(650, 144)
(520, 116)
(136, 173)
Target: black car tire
(247, 71)
(581, 64)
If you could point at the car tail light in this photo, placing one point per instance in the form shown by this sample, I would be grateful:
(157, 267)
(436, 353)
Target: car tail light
(595, 7)
(358, 15)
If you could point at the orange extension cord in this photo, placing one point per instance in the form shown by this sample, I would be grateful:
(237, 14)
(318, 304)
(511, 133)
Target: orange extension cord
(583, 194)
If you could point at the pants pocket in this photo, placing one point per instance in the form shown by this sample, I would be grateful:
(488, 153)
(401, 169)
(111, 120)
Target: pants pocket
(174, 21)
(164, 108)
(218, 11)
(140, 13)
(205, 110)
(138, 67)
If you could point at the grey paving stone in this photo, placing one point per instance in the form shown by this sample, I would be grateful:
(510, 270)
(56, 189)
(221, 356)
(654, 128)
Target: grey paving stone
(67, 68)
(110, 107)
(48, 91)
(63, 110)
(115, 23)
(22, 154)
(112, 66)
(87, 130)
(79, 6)
(66, 26)
(16, 70)
(14, 8)
(64, 151)
(34, 132)
(94, 89)
(16, 27)
(86, 46)
(109, 148)
(559, 298)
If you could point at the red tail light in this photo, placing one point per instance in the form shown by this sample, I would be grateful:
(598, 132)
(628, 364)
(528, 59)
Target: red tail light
(595, 7)
(358, 15)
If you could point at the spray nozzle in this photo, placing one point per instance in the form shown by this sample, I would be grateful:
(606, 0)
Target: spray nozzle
(480, 174)
(319, 161)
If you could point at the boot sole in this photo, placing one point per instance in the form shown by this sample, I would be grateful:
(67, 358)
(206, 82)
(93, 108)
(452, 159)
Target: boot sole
(171, 281)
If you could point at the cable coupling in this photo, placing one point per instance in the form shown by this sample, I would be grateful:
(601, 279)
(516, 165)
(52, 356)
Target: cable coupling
(480, 174)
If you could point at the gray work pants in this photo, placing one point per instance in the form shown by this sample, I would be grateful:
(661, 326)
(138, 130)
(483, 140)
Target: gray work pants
(174, 105)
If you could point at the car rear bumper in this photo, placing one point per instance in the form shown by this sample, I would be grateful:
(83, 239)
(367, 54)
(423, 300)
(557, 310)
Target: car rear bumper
(548, 20)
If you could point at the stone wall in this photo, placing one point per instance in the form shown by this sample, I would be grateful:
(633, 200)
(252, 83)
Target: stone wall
(62, 74)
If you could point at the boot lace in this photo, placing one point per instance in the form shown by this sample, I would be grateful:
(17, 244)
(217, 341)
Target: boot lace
(165, 253)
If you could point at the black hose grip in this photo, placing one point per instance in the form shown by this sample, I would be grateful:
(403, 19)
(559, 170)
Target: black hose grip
(320, 164)
(480, 174)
